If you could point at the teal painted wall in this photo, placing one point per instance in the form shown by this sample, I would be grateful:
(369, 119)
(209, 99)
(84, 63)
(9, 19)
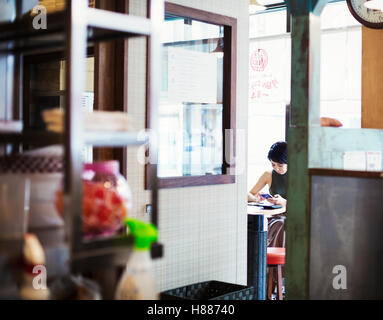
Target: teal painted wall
(326, 145)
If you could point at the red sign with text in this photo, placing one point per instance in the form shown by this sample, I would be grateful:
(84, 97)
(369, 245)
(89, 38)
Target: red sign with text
(263, 82)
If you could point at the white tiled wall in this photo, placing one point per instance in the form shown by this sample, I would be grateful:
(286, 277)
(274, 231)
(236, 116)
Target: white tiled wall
(203, 229)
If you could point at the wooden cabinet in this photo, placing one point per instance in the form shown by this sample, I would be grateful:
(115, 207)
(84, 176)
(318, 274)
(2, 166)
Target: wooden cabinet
(372, 78)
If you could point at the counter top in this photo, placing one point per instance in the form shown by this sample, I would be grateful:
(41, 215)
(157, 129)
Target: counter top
(266, 212)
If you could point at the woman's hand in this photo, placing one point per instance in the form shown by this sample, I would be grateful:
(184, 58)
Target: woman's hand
(277, 199)
(254, 198)
(251, 197)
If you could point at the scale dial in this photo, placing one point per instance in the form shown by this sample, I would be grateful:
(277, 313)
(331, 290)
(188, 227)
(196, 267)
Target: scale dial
(368, 17)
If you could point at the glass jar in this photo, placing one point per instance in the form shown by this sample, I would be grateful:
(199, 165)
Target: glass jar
(107, 199)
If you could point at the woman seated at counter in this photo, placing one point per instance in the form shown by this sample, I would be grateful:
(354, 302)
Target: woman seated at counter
(276, 180)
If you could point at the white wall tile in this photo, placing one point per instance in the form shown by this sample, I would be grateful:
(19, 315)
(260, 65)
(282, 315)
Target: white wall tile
(203, 229)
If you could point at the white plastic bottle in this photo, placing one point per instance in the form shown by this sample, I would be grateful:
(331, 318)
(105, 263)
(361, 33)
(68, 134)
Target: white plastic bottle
(138, 281)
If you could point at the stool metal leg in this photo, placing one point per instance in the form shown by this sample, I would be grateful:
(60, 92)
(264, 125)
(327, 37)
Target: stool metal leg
(279, 282)
(270, 282)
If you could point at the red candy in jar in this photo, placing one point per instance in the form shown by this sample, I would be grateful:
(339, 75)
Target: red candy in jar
(107, 199)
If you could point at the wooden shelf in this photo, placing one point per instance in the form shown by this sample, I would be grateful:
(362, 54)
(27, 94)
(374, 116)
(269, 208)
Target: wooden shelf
(97, 139)
(22, 37)
(115, 139)
(95, 244)
(110, 254)
(38, 138)
(103, 252)
(91, 260)
(48, 93)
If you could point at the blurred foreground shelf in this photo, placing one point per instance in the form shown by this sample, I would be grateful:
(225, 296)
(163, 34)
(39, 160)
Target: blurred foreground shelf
(98, 139)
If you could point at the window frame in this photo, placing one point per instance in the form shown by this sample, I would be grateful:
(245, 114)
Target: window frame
(229, 100)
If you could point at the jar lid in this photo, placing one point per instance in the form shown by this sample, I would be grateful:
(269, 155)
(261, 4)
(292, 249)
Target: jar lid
(112, 166)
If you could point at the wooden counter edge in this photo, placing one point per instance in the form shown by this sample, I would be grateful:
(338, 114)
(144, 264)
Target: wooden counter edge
(345, 173)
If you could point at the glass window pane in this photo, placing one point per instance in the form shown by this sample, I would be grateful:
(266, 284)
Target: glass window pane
(269, 70)
(341, 60)
(267, 23)
(269, 92)
(190, 113)
(337, 15)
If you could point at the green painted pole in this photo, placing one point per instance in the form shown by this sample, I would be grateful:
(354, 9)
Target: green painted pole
(305, 101)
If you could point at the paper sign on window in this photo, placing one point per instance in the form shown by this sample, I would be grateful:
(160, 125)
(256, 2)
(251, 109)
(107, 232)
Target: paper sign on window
(192, 76)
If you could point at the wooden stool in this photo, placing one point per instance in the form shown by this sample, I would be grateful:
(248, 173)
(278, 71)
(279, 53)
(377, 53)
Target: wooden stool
(275, 259)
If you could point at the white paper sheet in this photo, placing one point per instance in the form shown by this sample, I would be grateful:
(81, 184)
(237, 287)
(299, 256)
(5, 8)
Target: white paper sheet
(192, 76)
(374, 160)
(354, 160)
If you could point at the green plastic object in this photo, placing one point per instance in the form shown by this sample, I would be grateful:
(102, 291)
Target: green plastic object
(144, 233)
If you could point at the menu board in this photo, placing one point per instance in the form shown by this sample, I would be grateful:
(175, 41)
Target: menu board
(192, 76)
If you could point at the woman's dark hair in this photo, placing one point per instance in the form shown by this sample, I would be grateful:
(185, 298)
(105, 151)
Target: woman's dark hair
(278, 152)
